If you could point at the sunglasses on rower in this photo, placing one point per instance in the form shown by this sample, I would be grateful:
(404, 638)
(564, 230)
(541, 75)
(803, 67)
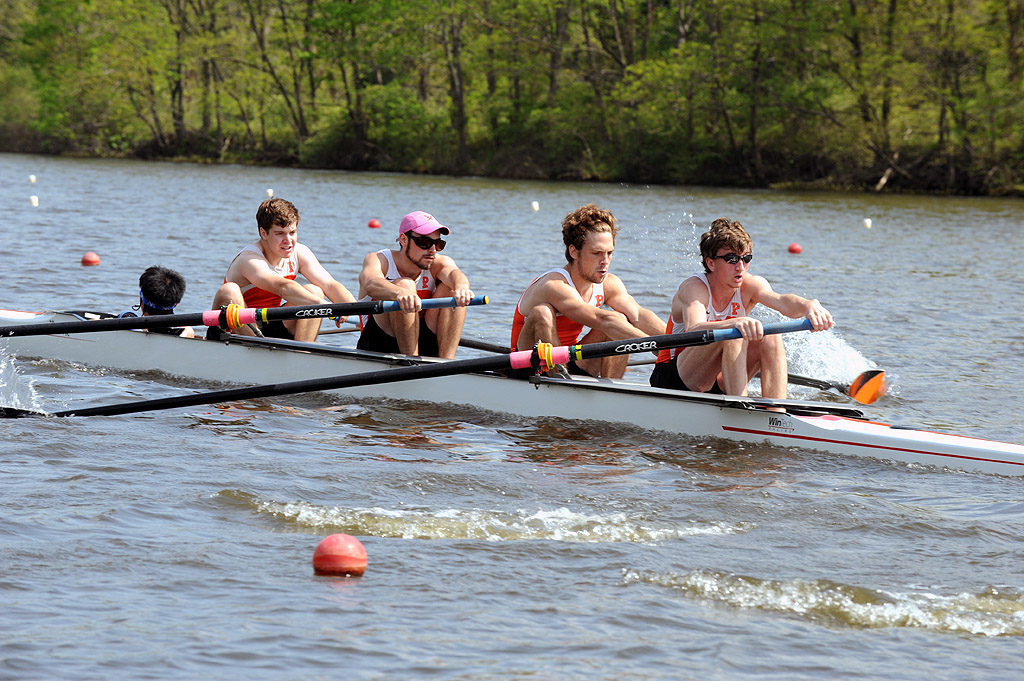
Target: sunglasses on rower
(425, 242)
(732, 258)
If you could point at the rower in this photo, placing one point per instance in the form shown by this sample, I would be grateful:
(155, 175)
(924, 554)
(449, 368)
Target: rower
(583, 302)
(160, 290)
(416, 270)
(263, 274)
(722, 297)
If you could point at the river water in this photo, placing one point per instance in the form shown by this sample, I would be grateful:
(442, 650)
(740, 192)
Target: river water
(178, 544)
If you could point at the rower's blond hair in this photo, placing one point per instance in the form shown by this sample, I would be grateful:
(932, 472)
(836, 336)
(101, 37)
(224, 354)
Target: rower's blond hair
(577, 225)
(724, 233)
(276, 212)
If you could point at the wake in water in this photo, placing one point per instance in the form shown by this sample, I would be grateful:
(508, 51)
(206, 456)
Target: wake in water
(16, 390)
(560, 524)
(990, 613)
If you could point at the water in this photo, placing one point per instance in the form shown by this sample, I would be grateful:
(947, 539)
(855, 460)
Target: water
(178, 544)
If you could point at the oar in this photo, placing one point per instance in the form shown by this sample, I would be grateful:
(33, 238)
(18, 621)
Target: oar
(230, 317)
(867, 387)
(522, 359)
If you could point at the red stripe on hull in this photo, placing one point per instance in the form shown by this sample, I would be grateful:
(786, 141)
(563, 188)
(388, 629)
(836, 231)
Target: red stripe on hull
(808, 438)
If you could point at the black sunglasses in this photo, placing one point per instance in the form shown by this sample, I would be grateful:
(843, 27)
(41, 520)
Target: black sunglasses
(732, 258)
(425, 242)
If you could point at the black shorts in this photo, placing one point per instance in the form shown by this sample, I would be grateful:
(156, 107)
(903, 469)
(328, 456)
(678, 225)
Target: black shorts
(375, 339)
(665, 375)
(275, 329)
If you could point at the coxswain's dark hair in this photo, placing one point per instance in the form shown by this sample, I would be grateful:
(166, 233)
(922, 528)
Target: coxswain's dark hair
(160, 289)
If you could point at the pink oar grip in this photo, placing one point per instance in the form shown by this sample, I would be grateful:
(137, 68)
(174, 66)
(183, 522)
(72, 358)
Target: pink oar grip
(560, 354)
(247, 315)
(520, 359)
(523, 359)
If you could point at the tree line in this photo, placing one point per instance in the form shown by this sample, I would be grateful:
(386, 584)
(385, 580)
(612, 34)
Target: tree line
(921, 95)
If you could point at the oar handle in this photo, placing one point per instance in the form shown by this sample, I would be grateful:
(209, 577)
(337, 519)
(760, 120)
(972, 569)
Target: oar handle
(229, 318)
(253, 315)
(562, 354)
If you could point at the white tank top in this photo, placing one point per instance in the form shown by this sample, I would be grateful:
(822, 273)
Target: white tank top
(425, 282)
(733, 309)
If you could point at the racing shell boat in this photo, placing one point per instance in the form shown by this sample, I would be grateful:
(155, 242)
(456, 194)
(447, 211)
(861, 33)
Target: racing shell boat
(827, 427)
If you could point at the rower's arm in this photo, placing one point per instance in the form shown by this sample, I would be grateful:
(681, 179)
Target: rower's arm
(374, 283)
(257, 271)
(311, 269)
(793, 306)
(448, 273)
(618, 298)
(567, 301)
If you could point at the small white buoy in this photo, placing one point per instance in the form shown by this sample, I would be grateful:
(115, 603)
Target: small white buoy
(34, 200)
(32, 179)
(536, 205)
(867, 223)
(270, 193)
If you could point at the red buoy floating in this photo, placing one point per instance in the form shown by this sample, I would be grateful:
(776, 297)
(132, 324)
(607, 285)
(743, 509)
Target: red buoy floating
(795, 248)
(340, 554)
(90, 258)
(375, 224)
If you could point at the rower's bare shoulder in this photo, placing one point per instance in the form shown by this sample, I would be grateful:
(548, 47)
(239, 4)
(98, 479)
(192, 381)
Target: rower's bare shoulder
(692, 288)
(247, 263)
(755, 284)
(303, 252)
(554, 284)
(374, 259)
(442, 262)
(613, 284)
(548, 289)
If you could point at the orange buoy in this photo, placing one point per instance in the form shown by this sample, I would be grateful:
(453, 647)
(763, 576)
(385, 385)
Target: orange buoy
(340, 554)
(795, 248)
(868, 386)
(90, 258)
(375, 224)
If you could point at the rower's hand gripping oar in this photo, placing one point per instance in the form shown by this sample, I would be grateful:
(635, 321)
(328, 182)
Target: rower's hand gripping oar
(538, 358)
(228, 318)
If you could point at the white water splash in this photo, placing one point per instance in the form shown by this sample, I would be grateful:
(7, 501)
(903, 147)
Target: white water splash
(824, 355)
(560, 524)
(16, 390)
(990, 613)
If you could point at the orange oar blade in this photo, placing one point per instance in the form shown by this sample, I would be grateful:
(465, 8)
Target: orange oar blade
(868, 386)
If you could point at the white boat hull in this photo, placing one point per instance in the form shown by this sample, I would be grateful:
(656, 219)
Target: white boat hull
(819, 426)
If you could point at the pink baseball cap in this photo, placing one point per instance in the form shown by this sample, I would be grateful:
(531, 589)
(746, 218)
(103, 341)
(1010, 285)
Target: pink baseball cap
(421, 223)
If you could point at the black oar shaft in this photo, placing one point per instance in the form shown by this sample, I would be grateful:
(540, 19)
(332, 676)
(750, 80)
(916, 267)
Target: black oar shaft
(378, 377)
(221, 317)
(818, 383)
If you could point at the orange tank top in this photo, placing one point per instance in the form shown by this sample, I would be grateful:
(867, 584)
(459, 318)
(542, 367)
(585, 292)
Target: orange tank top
(569, 331)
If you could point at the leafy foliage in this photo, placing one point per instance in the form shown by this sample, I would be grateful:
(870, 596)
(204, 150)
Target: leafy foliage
(904, 94)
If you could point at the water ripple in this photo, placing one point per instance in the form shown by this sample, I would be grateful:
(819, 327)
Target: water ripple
(992, 612)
